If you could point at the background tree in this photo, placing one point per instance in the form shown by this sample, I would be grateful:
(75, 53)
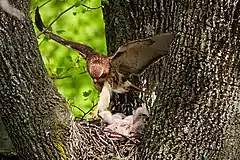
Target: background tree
(195, 99)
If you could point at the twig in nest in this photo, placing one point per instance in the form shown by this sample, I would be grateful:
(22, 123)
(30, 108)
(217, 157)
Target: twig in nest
(101, 138)
(105, 146)
(119, 134)
(114, 146)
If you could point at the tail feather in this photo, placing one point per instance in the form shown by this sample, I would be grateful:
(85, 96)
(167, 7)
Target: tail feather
(38, 20)
(84, 50)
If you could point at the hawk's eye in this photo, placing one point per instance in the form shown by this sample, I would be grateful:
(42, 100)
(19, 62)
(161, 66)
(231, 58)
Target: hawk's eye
(100, 79)
(103, 76)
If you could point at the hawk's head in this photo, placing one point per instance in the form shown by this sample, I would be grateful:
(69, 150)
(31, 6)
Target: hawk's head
(98, 67)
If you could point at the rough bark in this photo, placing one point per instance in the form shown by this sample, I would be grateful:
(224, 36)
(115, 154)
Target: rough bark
(196, 112)
(194, 102)
(6, 146)
(34, 113)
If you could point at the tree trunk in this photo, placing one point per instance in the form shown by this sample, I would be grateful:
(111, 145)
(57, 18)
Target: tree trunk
(196, 111)
(194, 101)
(34, 113)
(6, 146)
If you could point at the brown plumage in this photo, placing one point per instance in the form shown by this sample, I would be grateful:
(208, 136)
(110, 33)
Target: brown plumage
(131, 58)
(135, 56)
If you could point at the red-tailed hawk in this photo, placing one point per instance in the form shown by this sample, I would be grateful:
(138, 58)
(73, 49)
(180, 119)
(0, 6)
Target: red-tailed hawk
(110, 72)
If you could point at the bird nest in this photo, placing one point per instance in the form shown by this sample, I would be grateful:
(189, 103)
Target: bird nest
(95, 142)
(117, 135)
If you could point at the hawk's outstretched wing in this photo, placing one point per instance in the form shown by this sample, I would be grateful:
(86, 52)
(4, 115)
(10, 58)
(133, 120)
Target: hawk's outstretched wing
(84, 50)
(135, 56)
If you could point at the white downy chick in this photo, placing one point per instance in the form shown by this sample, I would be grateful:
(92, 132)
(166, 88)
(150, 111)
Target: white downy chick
(127, 126)
(138, 120)
(109, 118)
(116, 127)
(106, 116)
(121, 127)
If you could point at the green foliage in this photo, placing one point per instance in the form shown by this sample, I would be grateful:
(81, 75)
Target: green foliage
(65, 66)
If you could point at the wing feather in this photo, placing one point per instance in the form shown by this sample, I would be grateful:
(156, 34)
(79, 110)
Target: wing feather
(135, 56)
(84, 50)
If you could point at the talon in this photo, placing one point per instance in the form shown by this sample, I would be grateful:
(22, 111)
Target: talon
(94, 114)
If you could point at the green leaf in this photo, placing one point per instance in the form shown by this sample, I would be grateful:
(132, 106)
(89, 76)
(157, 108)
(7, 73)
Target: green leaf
(60, 31)
(70, 58)
(87, 93)
(70, 101)
(59, 71)
(70, 64)
(74, 13)
(84, 11)
(46, 38)
(77, 4)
